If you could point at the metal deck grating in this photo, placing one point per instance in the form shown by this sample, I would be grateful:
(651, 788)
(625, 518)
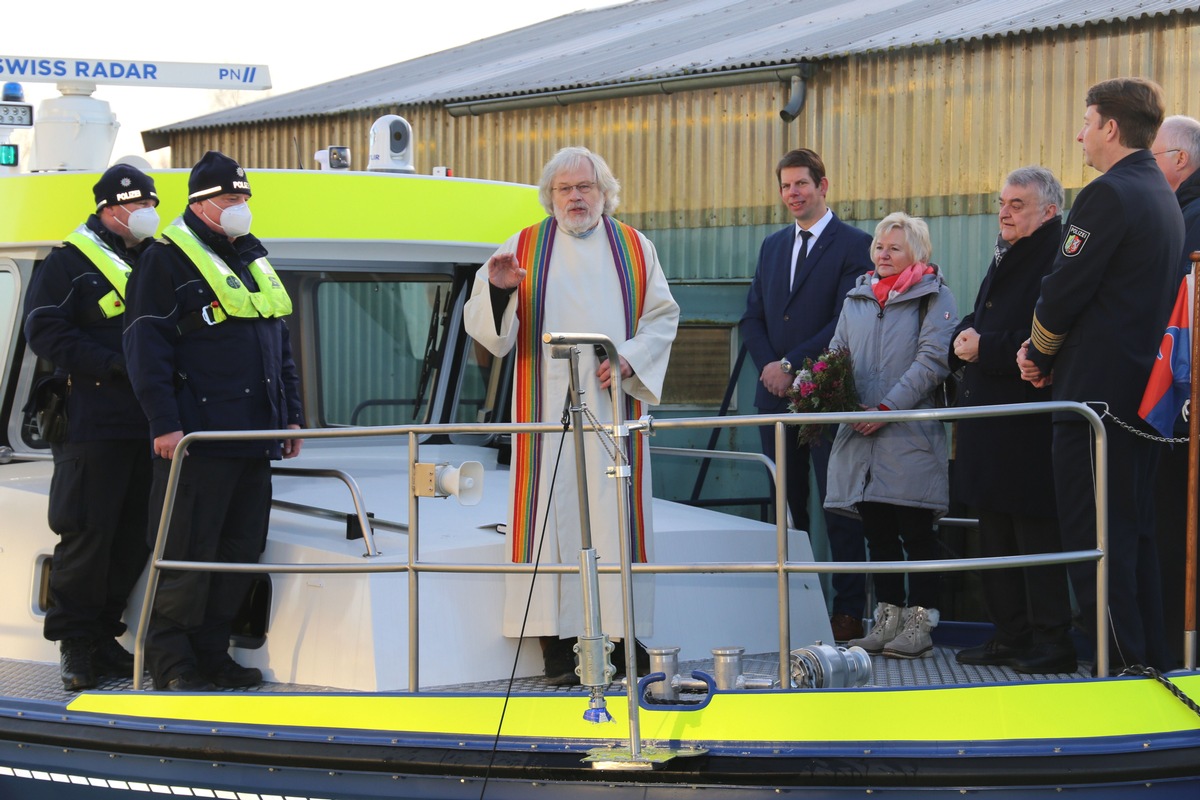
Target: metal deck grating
(37, 680)
(938, 669)
(34, 680)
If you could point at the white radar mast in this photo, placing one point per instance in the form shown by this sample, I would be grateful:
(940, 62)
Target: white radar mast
(77, 131)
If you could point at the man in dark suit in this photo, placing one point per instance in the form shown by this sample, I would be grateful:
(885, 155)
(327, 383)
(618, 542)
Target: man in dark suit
(1176, 150)
(1096, 330)
(1003, 464)
(804, 272)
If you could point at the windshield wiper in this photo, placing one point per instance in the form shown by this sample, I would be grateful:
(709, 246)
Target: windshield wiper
(433, 348)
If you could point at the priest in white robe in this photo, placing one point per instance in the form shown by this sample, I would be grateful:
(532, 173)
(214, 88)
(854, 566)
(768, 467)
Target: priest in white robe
(579, 271)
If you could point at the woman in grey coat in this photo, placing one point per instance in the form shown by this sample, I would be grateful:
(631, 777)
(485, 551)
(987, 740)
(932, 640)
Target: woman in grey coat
(897, 323)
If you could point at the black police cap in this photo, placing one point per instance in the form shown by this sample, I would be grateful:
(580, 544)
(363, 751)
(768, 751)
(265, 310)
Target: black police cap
(121, 184)
(214, 174)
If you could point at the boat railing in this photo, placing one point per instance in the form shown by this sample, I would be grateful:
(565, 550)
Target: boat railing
(781, 423)
(782, 566)
(766, 462)
(364, 523)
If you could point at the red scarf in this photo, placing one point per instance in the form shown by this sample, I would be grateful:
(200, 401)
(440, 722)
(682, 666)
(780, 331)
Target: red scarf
(895, 285)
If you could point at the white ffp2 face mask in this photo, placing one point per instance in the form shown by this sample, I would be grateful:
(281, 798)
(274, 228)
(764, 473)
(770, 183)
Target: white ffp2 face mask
(143, 223)
(235, 220)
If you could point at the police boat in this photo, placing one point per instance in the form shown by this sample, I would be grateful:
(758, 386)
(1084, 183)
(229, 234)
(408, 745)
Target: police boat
(376, 612)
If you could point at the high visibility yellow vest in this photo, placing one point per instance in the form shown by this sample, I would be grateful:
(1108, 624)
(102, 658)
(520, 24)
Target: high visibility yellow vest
(111, 266)
(233, 298)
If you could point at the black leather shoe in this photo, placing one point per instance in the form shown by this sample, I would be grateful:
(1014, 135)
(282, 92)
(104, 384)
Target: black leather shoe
(75, 662)
(187, 682)
(991, 654)
(558, 657)
(845, 627)
(229, 674)
(110, 659)
(1047, 658)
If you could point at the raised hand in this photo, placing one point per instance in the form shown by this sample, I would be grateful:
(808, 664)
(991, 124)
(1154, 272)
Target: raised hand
(504, 272)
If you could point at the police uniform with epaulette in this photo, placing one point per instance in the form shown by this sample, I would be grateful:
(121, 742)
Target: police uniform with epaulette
(68, 326)
(1097, 324)
(97, 500)
(206, 355)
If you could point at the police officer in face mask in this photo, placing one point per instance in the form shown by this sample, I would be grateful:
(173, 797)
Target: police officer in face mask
(76, 304)
(208, 350)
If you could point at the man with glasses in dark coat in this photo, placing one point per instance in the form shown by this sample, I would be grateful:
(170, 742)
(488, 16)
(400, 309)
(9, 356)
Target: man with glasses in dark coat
(1003, 464)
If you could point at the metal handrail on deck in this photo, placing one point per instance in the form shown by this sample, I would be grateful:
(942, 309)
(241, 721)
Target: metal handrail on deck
(781, 421)
(360, 507)
(782, 566)
(721, 455)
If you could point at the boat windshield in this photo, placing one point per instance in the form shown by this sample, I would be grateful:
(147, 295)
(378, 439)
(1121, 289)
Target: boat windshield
(379, 341)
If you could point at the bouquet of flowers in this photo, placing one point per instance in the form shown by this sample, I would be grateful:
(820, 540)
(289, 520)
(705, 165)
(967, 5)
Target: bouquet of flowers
(824, 384)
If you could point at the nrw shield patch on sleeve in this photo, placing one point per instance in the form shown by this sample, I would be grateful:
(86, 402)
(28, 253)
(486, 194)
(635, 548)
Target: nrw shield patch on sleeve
(1076, 239)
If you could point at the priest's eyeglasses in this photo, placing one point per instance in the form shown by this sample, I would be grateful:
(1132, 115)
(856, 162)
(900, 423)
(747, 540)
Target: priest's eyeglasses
(582, 188)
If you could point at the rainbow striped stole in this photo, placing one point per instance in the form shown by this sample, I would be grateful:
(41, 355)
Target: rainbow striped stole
(534, 247)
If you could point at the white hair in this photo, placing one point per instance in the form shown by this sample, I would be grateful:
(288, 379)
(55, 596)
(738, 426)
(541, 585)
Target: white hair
(571, 158)
(1184, 133)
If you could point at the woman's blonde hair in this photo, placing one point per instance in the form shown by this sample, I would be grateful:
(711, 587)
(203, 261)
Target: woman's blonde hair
(916, 235)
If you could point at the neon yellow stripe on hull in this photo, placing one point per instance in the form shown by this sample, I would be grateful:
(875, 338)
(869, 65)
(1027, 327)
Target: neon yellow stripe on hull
(1051, 711)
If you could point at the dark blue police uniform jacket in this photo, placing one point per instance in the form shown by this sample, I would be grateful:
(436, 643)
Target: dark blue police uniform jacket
(1112, 287)
(236, 375)
(798, 322)
(64, 326)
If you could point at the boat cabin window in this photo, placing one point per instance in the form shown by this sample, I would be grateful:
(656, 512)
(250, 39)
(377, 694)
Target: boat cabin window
(8, 305)
(483, 393)
(379, 341)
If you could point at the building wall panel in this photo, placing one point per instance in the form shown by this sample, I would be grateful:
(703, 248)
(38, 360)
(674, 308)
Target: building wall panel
(929, 130)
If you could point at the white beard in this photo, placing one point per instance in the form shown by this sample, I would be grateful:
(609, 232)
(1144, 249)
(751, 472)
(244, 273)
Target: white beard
(579, 228)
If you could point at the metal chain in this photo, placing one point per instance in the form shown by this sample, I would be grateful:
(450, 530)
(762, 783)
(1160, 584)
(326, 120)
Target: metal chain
(1102, 408)
(1150, 672)
(614, 452)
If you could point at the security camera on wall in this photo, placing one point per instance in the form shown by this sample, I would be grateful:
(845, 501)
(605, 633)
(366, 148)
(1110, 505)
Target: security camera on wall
(391, 145)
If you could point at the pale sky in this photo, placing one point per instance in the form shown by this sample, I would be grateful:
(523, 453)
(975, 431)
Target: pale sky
(301, 48)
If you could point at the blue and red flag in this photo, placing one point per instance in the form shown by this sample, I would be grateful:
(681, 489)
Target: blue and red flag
(1170, 384)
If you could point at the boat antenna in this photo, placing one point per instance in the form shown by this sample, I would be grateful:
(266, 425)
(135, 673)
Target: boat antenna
(299, 160)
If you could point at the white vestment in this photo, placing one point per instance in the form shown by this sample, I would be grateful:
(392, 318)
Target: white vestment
(583, 295)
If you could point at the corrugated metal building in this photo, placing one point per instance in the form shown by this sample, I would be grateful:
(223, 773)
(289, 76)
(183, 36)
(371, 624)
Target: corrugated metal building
(914, 104)
(921, 106)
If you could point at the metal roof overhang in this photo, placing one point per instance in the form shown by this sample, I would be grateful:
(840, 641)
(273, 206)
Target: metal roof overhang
(668, 85)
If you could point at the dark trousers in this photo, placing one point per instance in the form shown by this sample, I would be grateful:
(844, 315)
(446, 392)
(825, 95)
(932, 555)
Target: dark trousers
(98, 508)
(1170, 518)
(1135, 615)
(221, 513)
(845, 533)
(1029, 605)
(895, 533)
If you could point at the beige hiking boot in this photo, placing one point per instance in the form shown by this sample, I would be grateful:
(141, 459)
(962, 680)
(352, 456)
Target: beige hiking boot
(914, 640)
(887, 625)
